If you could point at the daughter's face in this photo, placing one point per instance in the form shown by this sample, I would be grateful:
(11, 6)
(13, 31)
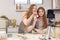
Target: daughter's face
(41, 12)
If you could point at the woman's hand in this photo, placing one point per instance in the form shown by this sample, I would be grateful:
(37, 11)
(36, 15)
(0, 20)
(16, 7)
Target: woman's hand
(40, 31)
(35, 13)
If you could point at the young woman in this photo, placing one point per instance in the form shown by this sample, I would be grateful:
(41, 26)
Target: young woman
(42, 21)
(28, 23)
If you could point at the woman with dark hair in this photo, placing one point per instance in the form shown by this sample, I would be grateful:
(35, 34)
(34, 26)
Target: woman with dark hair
(42, 21)
(27, 22)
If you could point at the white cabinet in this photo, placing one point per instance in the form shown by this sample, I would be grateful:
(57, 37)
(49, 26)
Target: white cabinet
(12, 30)
(56, 4)
(2, 25)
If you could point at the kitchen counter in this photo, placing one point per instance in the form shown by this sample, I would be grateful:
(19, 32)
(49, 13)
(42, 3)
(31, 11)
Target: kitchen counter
(55, 35)
(28, 37)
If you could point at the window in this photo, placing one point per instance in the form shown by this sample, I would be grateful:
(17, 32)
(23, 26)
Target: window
(20, 1)
(20, 4)
(35, 1)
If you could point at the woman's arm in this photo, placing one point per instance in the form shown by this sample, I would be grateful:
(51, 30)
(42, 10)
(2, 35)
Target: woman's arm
(25, 20)
(40, 31)
(33, 25)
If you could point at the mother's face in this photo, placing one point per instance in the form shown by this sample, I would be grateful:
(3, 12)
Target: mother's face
(41, 12)
(34, 9)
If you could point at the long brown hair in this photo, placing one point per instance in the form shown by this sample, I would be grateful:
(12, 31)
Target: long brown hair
(44, 17)
(29, 13)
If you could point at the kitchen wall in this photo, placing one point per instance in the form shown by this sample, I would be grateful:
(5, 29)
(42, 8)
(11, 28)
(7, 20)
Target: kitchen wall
(7, 7)
(57, 15)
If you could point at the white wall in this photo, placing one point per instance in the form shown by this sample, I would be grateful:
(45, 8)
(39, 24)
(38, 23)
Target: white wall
(7, 8)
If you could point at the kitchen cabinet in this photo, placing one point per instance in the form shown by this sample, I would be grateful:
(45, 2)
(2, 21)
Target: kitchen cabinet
(56, 4)
(12, 30)
(3, 25)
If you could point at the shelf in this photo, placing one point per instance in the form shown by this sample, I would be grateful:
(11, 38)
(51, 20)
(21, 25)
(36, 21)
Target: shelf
(56, 9)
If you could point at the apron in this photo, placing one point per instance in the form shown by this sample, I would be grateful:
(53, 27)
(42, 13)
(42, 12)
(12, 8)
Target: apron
(22, 25)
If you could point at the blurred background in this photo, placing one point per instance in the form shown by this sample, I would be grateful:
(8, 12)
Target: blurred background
(11, 12)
